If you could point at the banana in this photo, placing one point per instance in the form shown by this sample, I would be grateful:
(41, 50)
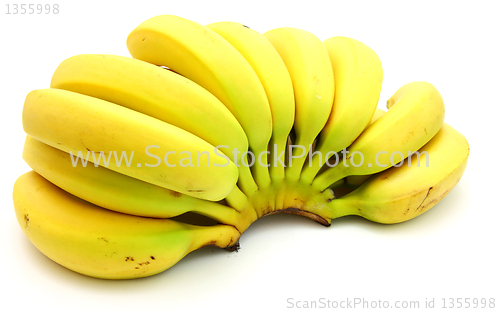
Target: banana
(358, 81)
(75, 123)
(158, 93)
(206, 58)
(354, 181)
(416, 116)
(114, 191)
(308, 63)
(275, 79)
(104, 244)
(402, 193)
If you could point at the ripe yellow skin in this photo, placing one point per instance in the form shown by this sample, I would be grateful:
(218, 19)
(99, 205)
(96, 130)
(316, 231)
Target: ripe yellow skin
(274, 76)
(402, 193)
(115, 191)
(417, 115)
(73, 122)
(101, 243)
(159, 93)
(204, 57)
(307, 61)
(358, 80)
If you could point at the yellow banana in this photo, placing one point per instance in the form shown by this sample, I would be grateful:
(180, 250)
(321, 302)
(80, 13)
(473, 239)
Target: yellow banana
(402, 193)
(308, 63)
(204, 57)
(159, 93)
(78, 123)
(101, 243)
(358, 81)
(275, 79)
(354, 181)
(415, 118)
(106, 188)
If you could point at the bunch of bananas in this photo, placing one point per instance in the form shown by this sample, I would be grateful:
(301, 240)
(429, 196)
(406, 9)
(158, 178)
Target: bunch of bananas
(226, 124)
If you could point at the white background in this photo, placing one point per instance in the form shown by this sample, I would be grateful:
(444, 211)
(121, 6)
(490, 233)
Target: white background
(452, 251)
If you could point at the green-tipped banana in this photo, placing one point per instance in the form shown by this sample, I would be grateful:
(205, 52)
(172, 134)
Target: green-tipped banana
(204, 57)
(275, 79)
(157, 152)
(101, 243)
(358, 80)
(414, 119)
(308, 63)
(158, 93)
(118, 192)
(402, 193)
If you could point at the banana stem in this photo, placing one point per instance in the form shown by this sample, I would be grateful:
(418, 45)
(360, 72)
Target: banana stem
(260, 168)
(329, 177)
(340, 207)
(221, 213)
(294, 170)
(246, 181)
(310, 170)
(222, 236)
(237, 199)
(278, 152)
